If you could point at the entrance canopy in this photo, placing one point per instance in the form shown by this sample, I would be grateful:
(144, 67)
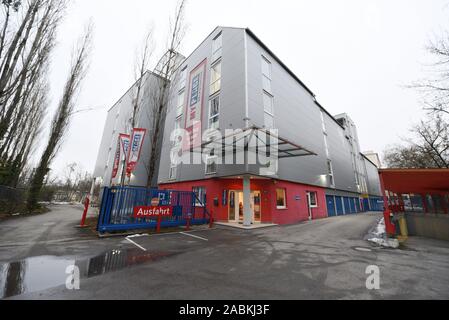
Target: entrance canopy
(285, 148)
(417, 181)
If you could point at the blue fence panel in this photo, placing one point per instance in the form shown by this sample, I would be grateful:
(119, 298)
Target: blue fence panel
(376, 203)
(366, 205)
(358, 205)
(117, 208)
(331, 206)
(347, 205)
(339, 204)
(352, 204)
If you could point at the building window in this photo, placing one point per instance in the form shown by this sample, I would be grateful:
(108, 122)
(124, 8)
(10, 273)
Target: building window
(312, 197)
(281, 199)
(266, 74)
(200, 199)
(211, 163)
(215, 78)
(181, 101)
(214, 113)
(268, 104)
(268, 111)
(330, 172)
(173, 172)
(183, 78)
(217, 45)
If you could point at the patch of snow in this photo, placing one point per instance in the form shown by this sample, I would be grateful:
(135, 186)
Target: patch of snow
(386, 243)
(380, 229)
(378, 235)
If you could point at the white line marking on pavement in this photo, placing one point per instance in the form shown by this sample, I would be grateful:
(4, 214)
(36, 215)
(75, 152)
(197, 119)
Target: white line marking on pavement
(136, 244)
(191, 235)
(138, 235)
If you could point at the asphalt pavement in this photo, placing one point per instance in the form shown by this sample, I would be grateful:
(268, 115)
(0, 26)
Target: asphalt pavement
(323, 259)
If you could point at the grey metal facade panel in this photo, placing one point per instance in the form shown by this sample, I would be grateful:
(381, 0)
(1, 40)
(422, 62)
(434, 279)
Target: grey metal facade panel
(232, 101)
(298, 119)
(105, 145)
(118, 122)
(373, 179)
(338, 193)
(297, 116)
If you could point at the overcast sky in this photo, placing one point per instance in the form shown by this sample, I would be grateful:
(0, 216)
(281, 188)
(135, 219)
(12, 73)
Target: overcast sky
(356, 56)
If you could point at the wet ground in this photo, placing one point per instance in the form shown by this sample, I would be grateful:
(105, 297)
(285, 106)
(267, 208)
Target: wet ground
(44, 272)
(324, 259)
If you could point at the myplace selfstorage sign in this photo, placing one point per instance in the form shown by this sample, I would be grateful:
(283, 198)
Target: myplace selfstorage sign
(153, 211)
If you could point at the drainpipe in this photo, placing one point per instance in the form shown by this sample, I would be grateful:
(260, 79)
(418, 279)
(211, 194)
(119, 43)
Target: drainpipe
(247, 214)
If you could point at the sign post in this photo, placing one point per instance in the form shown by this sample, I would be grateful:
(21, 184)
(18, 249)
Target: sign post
(153, 211)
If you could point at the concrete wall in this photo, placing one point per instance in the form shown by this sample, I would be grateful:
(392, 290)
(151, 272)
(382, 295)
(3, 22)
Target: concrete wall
(434, 226)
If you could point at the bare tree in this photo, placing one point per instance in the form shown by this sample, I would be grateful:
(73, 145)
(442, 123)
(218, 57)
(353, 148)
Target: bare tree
(433, 140)
(141, 69)
(166, 69)
(76, 182)
(24, 60)
(142, 62)
(435, 87)
(63, 114)
(428, 149)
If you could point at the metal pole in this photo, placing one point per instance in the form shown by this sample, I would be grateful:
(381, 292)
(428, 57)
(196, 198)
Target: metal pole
(247, 213)
(122, 181)
(387, 213)
(87, 203)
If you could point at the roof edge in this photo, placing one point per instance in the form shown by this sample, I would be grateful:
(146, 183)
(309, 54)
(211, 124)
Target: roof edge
(290, 72)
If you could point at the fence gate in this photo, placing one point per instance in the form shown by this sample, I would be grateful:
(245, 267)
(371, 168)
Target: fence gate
(118, 203)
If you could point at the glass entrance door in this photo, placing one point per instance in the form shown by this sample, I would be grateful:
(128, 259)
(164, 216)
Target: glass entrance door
(236, 206)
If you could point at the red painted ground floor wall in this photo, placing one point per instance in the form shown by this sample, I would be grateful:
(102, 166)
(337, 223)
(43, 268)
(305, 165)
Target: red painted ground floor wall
(296, 198)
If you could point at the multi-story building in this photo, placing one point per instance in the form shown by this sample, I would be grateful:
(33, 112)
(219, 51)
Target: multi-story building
(231, 82)
(374, 158)
(118, 121)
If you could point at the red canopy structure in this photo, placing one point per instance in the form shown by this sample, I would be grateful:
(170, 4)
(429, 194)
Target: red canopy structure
(416, 181)
(422, 190)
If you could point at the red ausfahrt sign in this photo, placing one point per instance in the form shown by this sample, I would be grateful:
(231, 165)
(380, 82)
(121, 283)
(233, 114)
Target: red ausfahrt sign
(153, 211)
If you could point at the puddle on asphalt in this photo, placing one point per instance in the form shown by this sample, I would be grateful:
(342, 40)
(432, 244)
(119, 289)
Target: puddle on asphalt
(45, 272)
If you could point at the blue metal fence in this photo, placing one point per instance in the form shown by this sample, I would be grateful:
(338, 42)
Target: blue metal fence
(337, 205)
(117, 209)
(376, 204)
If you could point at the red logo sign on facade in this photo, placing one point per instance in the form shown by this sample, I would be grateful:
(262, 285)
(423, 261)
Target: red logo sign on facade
(153, 211)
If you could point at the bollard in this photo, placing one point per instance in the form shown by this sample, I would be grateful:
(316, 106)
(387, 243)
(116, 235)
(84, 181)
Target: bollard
(188, 223)
(86, 208)
(211, 221)
(158, 227)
